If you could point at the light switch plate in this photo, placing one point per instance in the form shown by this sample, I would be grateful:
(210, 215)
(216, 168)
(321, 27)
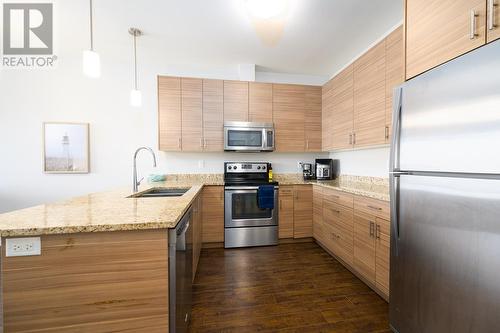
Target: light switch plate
(19, 247)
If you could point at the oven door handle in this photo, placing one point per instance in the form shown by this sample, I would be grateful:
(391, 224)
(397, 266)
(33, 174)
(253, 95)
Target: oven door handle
(233, 188)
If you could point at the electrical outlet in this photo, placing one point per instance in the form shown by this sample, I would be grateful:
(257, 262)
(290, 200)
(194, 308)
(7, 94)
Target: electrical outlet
(299, 165)
(18, 247)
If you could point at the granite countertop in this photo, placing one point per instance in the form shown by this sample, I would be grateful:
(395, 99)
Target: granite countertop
(105, 211)
(117, 211)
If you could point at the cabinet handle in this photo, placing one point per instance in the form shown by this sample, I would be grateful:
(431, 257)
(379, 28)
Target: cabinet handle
(307, 144)
(387, 132)
(473, 16)
(201, 143)
(377, 231)
(372, 225)
(350, 139)
(336, 211)
(281, 204)
(353, 138)
(179, 143)
(491, 14)
(204, 143)
(374, 208)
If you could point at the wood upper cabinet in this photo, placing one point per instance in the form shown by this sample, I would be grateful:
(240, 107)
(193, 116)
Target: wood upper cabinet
(286, 212)
(493, 20)
(313, 118)
(302, 211)
(169, 113)
(394, 73)
(370, 97)
(289, 117)
(440, 30)
(235, 101)
(343, 109)
(192, 114)
(260, 102)
(213, 115)
(213, 214)
(327, 110)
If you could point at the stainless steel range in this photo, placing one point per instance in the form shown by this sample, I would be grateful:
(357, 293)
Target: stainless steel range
(245, 223)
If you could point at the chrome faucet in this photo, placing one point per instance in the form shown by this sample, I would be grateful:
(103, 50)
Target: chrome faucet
(137, 183)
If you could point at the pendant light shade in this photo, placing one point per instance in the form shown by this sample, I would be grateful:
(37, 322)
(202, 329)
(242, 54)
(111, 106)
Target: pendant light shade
(91, 63)
(135, 94)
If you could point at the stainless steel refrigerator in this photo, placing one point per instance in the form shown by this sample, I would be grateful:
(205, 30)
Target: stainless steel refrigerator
(445, 198)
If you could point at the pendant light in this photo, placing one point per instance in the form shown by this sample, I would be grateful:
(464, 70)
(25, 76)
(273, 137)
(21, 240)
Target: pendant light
(135, 94)
(91, 60)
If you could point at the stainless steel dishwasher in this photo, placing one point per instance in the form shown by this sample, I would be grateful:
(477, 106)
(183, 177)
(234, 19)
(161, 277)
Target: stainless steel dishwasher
(180, 273)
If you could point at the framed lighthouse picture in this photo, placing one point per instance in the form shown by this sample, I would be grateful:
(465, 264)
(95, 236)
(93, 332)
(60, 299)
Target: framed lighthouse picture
(66, 147)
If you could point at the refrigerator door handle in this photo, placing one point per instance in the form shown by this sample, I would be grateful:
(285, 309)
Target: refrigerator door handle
(396, 133)
(394, 205)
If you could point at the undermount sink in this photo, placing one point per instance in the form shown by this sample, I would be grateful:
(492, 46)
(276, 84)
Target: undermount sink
(161, 192)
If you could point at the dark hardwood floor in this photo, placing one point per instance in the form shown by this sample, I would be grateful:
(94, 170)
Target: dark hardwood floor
(285, 288)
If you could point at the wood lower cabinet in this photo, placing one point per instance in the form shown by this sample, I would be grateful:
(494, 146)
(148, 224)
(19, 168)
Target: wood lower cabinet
(364, 245)
(260, 102)
(213, 214)
(383, 255)
(197, 231)
(213, 115)
(169, 113)
(286, 212)
(318, 213)
(302, 211)
(440, 30)
(192, 114)
(235, 101)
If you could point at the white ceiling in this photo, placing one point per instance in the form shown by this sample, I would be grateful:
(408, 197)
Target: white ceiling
(319, 38)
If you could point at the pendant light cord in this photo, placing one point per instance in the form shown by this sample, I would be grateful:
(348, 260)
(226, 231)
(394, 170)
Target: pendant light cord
(91, 28)
(135, 60)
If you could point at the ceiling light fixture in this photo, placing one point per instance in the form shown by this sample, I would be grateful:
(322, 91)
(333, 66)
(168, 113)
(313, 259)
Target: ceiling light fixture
(135, 94)
(266, 9)
(91, 64)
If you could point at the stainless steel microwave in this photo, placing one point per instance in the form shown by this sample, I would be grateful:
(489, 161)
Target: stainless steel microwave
(248, 136)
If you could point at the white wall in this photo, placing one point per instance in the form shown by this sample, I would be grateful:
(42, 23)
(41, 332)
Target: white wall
(367, 162)
(31, 97)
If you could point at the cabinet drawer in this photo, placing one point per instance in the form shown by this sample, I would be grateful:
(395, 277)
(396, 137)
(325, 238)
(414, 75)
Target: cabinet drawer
(338, 197)
(286, 191)
(372, 206)
(334, 214)
(339, 242)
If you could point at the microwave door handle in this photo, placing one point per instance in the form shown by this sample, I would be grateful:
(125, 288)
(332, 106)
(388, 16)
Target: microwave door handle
(264, 138)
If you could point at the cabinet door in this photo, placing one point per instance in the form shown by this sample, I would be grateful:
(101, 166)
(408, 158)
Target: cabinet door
(394, 73)
(260, 102)
(342, 108)
(383, 240)
(197, 233)
(440, 30)
(364, 245)
(493, 20)
(213, 214)
(192, 114)
(313, 118)
(340, 220)
(369, 97)
(327, 115)
(213, 115)
(302, 211)
(235, 101)
(318, 231)
(169, 113)
(286, 212)
(288, 115)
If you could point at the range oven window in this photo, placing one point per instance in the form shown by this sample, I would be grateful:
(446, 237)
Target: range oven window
(237, 138)
(244, 207)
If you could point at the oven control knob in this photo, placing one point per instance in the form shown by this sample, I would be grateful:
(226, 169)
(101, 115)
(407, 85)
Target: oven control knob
(258, 168)
(229, 167)
(235, 167)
